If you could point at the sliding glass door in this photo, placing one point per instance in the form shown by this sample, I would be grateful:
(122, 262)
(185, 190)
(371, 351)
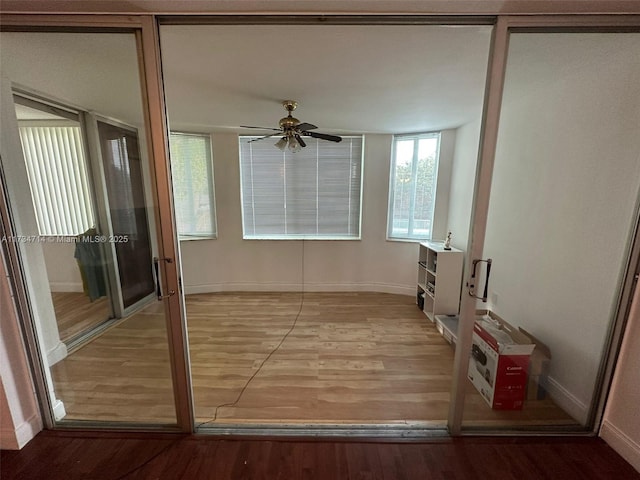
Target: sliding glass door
(82, 190)
(548, 229)
(125, 189)
(544, 294)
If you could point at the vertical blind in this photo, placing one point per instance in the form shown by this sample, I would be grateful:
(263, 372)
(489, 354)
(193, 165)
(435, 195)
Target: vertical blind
(313, 193)
(58, 179)
(193, 190)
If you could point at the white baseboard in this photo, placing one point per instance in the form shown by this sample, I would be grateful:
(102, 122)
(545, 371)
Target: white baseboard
(11, 439)
(567, 401)
(308, 287)
(626, 447)
(57, 353)
(65, 287)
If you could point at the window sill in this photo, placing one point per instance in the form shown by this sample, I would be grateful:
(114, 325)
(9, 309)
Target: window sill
(301, 237)
(185, 238)
(407, 240)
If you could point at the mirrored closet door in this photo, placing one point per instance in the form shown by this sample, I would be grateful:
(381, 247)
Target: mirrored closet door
(80, 187)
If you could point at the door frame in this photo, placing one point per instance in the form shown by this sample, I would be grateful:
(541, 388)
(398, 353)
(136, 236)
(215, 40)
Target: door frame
(146, 33)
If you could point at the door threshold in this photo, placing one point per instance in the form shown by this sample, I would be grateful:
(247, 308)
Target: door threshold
(395, 431)
(79, 340)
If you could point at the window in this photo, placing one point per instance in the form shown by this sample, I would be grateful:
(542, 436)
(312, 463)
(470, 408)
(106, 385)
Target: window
(412, 192)
(58, 178)
(312, 194)
(192, 177)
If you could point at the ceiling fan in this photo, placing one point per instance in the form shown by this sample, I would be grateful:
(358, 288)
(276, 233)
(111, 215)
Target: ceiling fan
(292, 130)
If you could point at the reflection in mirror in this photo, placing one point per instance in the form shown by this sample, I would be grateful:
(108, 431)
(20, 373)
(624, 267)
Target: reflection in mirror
(60, 187)
(85, 220)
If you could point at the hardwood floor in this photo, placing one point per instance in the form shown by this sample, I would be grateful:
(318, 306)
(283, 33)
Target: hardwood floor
(75, 456)
(351, 358)
(122, 375)
(75, 313)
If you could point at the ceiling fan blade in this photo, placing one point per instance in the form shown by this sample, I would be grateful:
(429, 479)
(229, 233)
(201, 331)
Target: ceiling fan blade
(262, 138)
(261, 128)
(300, 141)
(324, 136)
(303, 127)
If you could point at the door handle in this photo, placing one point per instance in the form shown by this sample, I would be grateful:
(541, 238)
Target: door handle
(471, 284)
(156, 269)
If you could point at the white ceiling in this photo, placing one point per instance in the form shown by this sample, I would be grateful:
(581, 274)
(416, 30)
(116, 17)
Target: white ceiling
(346, 79)
(96, 72)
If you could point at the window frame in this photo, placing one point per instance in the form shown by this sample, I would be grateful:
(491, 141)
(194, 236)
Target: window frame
(297, 236)
(182, 237)
(392, 178)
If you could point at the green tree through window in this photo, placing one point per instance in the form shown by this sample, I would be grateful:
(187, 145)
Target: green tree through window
(414, 173)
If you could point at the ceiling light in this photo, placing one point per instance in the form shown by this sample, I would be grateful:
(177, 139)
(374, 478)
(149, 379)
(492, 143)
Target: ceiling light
(294, 146)
(282, 143)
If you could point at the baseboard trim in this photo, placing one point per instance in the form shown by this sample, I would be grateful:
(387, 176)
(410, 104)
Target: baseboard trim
(626, 447)
(57, 353)
(296, 287)
(65, 287)
(16, 439)
(567, 401)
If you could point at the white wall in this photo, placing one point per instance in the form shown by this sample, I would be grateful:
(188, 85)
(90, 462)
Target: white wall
(33, 262)
(62, 269)
(621, 423)
(372, 264)
(19, 415)
(462, 183)
(565, 186)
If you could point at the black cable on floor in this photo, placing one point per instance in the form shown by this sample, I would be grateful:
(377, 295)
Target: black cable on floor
(244, 388)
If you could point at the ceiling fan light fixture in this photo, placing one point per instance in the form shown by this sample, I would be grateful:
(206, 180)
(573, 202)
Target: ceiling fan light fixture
(282, 143)
(291, 131)
(294, 146)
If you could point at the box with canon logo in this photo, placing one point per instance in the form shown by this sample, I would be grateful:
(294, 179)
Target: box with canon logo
(499, 362)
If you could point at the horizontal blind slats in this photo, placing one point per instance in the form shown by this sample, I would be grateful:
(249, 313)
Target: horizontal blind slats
(314, 192)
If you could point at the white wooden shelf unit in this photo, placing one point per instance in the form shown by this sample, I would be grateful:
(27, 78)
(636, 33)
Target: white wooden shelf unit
(439, 279)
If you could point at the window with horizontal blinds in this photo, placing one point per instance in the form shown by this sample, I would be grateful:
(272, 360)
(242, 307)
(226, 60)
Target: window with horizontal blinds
(313, 194)
(58, 179)
(193, 186)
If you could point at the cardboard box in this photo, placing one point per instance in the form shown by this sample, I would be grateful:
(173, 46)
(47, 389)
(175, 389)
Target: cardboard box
(499, 362)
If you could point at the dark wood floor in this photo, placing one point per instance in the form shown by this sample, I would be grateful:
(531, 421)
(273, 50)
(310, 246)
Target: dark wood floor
(110, 456)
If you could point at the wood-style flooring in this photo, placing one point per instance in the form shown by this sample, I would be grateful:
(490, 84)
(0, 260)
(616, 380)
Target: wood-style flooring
(72, 456)
(75, 313)
(355, 358)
